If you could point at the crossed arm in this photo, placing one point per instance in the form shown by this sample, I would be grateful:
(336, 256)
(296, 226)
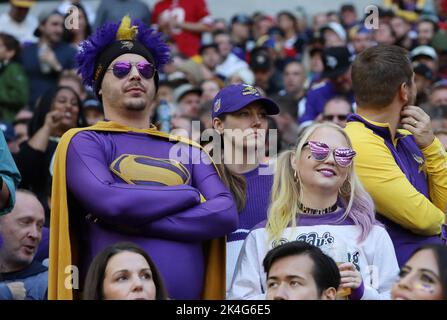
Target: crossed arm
(170, 212)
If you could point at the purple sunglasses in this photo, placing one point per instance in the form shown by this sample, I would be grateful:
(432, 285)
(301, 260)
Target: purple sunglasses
(320, 152)
(122, 68)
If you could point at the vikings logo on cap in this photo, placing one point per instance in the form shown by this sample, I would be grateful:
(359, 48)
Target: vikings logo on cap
(126, 44)
(422, 166)
(331, 62)
(148, 171)
(250, 90)
(111, 40)
(217, 105)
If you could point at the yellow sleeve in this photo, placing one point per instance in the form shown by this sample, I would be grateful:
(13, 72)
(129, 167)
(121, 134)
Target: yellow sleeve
(387, 3)
(409, 15)
(394, 196)
(436, 162)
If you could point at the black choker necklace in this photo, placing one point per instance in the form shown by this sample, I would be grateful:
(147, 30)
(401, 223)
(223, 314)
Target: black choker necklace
(311, 211)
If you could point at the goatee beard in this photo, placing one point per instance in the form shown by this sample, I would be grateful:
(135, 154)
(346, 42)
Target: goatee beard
(135, 106)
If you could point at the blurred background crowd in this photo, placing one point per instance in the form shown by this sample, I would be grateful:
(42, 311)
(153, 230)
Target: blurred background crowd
(282, 54)
(299, 56)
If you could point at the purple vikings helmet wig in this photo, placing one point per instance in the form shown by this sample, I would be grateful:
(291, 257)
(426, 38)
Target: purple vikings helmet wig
(112, 40)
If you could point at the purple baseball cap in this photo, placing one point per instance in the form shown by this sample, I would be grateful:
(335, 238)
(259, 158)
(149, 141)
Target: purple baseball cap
(237, 96)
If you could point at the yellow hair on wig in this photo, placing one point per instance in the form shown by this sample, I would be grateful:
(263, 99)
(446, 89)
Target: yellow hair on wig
(126, 31)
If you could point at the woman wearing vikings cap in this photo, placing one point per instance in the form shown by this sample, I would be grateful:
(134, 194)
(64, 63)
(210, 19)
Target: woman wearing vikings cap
(239, 115)
(120, 181)
(317, 198)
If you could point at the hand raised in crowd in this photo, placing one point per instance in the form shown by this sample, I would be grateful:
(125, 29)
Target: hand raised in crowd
(415, 120)
(53, 120)
(49, 57)
(175, 24)
(164, 24)
(51, 127)
(350, 276)
(18, 290)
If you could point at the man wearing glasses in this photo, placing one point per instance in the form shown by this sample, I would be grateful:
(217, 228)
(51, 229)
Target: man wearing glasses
(117, 180)
(336, 110)
(337, 72)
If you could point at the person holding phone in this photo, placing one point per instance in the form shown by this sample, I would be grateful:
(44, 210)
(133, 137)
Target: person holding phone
(58, 110)
(400, 162)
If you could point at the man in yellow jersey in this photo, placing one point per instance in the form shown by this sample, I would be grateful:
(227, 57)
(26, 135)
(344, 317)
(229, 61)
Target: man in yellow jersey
(399, 160)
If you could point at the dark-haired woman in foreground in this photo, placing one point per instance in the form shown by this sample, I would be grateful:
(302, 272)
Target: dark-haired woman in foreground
(424, 275)
(123, 271)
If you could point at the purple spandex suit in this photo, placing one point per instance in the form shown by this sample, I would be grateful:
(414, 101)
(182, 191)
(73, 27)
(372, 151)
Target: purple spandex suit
(169, 221)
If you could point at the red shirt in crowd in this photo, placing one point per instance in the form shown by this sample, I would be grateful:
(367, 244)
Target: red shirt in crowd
(190, 11)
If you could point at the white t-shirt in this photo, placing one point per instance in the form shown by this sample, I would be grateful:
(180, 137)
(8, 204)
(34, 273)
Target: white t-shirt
(374, 257)
(231, 64)
(23, 31)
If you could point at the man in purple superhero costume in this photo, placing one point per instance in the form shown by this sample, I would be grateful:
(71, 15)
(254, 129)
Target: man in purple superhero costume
(121, 185)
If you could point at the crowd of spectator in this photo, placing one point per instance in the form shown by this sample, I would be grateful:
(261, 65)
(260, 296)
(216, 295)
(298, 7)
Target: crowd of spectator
(301, 67)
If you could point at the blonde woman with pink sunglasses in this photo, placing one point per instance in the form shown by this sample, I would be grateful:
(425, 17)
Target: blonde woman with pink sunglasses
(317, 198)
